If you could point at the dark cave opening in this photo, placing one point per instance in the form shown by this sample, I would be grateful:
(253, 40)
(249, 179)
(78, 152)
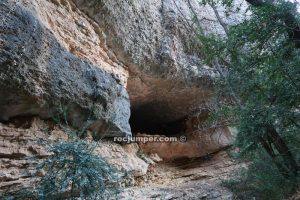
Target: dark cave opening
(146, 120)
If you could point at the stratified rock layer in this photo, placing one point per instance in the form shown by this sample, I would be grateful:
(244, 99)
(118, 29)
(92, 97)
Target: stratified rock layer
(19, 145)
(195, 146)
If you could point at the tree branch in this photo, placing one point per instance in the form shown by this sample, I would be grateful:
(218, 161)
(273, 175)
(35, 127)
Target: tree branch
(219, 18)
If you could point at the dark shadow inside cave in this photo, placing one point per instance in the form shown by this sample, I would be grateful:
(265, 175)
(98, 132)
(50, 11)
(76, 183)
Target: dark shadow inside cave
(145, 119)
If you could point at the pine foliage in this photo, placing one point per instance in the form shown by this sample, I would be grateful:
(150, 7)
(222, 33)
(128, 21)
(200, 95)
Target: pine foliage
(259, 66)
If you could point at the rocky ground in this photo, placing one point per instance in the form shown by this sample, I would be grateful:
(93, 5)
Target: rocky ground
(197, 178)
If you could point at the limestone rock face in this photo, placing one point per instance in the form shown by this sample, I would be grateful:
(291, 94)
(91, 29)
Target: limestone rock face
(100, 61)
(88, 53)
(19, 143)
(16, 146)
(167, 79)
(38, 75)
(198, 144)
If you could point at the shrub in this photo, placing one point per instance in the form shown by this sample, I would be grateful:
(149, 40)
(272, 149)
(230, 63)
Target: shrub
(74, 171)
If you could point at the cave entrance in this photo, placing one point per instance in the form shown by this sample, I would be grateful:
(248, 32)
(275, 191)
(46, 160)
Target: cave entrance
(150, 120)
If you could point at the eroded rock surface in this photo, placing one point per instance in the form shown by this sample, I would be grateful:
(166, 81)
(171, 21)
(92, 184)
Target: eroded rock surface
(38, 74)
(92, 61)
(86, 53)
(190, 179)
(197, 145)
(31, 140)
(167, 78)
(183, 178)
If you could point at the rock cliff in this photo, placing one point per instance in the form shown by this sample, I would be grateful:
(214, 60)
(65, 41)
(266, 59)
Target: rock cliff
(122, 67)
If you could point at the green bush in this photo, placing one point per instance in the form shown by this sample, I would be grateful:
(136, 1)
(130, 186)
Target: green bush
(74, 171)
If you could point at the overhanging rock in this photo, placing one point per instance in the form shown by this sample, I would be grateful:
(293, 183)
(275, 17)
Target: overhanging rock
(38, 76)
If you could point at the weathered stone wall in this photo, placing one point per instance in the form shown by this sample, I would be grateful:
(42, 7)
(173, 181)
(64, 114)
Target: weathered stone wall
(153, 38)
(40, 72)
(21, 142)
(104, 59)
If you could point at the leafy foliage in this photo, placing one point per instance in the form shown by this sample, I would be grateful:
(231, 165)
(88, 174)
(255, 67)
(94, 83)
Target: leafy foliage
(259, 64)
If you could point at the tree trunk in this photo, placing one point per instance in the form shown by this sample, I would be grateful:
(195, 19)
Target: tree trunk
(282, 148)
(268, 148)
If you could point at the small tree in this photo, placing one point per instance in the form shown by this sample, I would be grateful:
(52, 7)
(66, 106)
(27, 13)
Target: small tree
(74, 171)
